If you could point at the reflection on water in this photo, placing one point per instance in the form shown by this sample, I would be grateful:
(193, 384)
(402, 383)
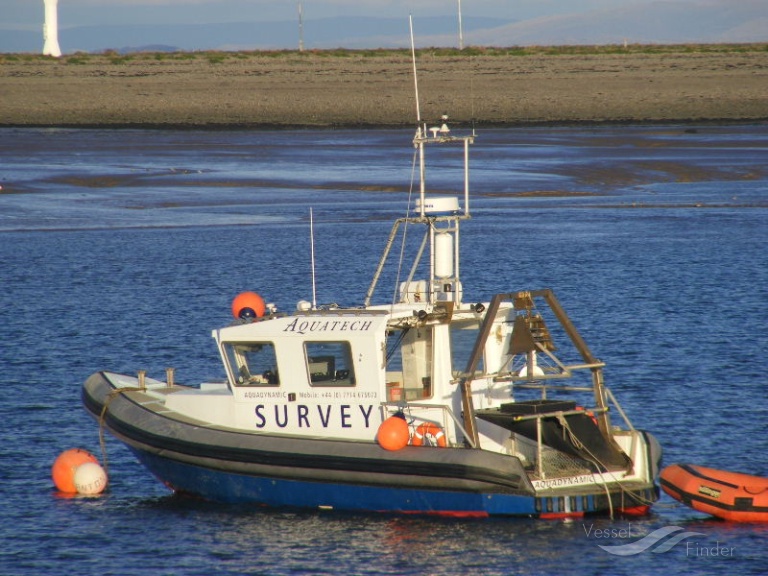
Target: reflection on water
(83, 179)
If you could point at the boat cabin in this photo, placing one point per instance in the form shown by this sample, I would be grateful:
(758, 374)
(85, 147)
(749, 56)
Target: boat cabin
(333, 372)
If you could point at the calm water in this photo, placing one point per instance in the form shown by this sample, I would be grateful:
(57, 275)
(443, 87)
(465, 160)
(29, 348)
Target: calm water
(122, 250)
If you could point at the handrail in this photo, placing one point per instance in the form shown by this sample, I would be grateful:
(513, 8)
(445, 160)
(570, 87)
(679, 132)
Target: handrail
(400, 405)
(615, 402)
(553, 387)
(511, 376)
(542, 415)
(382, 261)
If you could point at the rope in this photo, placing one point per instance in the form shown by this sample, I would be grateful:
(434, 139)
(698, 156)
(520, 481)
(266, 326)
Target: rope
(396, 344)
(102, 419)
(601, 466)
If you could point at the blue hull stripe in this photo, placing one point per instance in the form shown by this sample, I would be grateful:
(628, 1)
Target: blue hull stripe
(239, 488)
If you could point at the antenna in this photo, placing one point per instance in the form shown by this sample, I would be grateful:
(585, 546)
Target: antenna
(415, 76)
(312, 248)
(51, 29)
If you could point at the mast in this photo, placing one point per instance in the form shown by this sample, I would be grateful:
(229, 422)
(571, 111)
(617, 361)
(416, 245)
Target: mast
(440, 214)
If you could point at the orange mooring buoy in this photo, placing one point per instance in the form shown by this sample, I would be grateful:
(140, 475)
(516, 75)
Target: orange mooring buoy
(393, 433)
(248, 305)
(65, 466)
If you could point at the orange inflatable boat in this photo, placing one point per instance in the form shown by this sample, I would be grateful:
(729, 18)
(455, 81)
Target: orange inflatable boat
(727, 495)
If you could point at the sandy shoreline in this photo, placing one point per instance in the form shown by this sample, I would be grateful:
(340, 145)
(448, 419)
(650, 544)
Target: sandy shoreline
(316, 89)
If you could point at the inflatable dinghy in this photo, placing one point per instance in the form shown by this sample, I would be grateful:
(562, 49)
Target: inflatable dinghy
(727, 495)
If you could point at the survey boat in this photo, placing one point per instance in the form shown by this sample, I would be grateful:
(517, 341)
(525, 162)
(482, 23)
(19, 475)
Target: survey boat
(428, 402)
(728, 495)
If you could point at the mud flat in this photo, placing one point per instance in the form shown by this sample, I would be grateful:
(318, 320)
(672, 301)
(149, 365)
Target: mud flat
(375, 88)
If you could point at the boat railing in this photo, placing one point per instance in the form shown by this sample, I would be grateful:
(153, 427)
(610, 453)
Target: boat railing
(448, 414)
(612, 400)
(541, 469)
(508, 376)
(546, 387)
(544, 467)
(558, 413)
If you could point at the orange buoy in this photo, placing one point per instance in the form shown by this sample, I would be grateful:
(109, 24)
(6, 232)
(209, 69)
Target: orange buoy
(248, 305)
(393, 433)
(65, 466)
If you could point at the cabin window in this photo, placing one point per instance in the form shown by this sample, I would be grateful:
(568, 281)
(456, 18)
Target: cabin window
(463, 337)
(329, 363)
(253, 364)
(409, 364)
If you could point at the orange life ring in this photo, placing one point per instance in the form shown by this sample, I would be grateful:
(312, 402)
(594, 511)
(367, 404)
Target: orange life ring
(429, 434)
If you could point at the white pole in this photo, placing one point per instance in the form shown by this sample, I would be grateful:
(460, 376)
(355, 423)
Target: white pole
(312, 248)
(461, 30)
(415, 75)
(51, 29)
(301, 29)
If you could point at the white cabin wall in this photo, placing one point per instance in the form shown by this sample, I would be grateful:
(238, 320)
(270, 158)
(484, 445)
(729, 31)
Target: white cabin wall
(296, 407)
(497, 346)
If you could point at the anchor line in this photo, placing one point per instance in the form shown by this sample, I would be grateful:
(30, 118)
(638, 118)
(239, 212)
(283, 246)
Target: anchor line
(102, 420)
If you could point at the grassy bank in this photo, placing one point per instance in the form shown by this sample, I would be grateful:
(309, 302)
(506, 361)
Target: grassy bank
(214, 56)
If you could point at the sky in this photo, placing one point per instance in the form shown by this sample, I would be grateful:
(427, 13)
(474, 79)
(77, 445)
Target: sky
(97, 25)
(28, 14)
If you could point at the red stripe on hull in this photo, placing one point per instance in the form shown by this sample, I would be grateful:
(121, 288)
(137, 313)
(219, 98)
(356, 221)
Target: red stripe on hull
(634, 510)
(560, 515)
(444, 513)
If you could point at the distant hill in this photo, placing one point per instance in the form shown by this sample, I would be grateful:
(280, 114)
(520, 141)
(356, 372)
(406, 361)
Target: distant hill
(662, 22)
(343, 32)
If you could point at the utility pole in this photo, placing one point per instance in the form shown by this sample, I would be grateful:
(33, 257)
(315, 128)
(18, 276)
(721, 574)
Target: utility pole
(461, 31)
(301, 29)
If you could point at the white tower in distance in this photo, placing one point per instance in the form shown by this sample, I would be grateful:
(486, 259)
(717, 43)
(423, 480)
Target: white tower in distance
(51, 29)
